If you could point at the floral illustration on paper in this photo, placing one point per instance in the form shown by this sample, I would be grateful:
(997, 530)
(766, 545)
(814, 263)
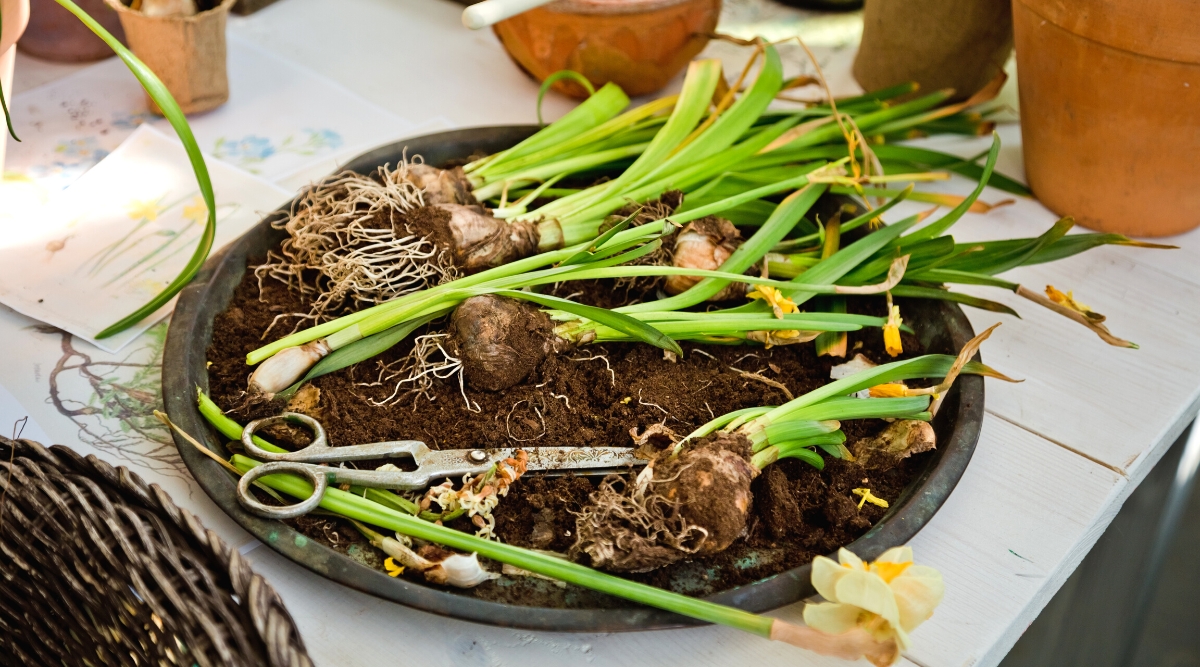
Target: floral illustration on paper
(112, 400)
(252, 150)
(147, 245)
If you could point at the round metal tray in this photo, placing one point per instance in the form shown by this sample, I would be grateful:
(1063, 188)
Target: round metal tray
(941, 327)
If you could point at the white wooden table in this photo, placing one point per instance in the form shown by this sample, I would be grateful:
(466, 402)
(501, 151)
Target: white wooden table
(1058, 455)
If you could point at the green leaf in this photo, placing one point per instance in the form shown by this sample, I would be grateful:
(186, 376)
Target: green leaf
(928, 366)
(612, 319)
(590, 253)
(358, 351)
(847, 407)
(941, 225)
(960, 277)
(926, 159)
(170, 109)
(554, 78)
(999, 261)
(914, 291)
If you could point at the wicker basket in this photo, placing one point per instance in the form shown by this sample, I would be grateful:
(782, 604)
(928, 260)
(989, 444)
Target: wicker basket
(99, 568)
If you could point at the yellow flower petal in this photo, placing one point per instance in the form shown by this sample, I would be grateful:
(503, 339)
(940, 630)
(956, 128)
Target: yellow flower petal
(1068, 300)
(903, 554)
(890, 390)
(889, 571)
(891, 332)
(848, 558)
(775, 298)
(918, 592)
(825, 575)
(392, 568)
(869, 592)
(868, 497)
(831, 617)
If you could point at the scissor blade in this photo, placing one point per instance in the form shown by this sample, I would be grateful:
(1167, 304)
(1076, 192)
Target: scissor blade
(581, 458)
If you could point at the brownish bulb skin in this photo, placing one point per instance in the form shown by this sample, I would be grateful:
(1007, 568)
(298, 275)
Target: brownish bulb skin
(705, 244)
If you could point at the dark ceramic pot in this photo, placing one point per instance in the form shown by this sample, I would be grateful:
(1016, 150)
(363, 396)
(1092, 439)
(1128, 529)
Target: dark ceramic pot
(941, 327)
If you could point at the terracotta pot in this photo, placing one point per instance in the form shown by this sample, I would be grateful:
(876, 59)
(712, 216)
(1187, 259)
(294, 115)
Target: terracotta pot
(637, 44)
(939, 44)
(16, 16)
(55, 34)
(186, 52)
(1110, 111)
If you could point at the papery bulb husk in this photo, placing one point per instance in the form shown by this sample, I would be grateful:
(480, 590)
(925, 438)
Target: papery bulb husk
(286, 367)
(459, 571)
(500, 341)
(441, 186)
(481, 241)
(705, 244)
(694, 504)
(900, 440)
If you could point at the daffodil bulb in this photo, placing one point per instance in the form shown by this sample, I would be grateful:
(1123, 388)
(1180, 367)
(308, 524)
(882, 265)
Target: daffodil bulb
(460, 571)
(888, 598)
(286, 366)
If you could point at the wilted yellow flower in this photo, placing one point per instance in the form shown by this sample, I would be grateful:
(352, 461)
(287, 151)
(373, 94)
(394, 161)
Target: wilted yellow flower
(888, 598)
(392, 568)
(781, 337)
(868, 497)
(891, 332)
(890, 390)
(1068, 300)
(778, 302)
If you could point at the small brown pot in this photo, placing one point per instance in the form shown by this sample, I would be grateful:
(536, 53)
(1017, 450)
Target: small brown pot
(186, 52)
(55, 34)
(959, 44)
(1110, 111)
(637, 44)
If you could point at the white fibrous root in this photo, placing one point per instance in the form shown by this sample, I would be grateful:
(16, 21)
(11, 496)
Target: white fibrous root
(349, 246)
(415, 373)
(479, 495)
(705, 244)
(286, 367)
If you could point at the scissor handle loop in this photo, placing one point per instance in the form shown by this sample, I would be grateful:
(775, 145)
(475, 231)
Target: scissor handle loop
(314, 474)
(319, 441)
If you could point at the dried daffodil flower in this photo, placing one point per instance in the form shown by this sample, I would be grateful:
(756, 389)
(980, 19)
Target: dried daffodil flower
(1068, 300)
(888, 598)
(868, 497)
(891, 330)
(392, 568)
(774, 298)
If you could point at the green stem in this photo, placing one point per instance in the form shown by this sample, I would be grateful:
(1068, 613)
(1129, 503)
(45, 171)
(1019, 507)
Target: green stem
(174, 115)
(353, 507)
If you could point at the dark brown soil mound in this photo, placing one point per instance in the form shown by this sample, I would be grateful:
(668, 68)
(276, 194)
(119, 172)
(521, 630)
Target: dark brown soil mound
(590, 396)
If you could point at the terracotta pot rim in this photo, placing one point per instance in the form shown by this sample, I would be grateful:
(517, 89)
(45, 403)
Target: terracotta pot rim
(223, 7)
(1174, 46)
(611, 7)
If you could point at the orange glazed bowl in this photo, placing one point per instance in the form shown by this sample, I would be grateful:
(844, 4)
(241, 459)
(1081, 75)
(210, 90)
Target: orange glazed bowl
(637, 44)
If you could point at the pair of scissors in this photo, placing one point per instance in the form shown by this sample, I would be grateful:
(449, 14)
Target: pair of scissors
(431, 465)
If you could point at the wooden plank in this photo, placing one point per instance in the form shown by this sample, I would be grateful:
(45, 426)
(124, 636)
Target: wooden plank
(1024, 514)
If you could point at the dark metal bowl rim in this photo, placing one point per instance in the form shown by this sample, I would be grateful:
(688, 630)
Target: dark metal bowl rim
(184, 370)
